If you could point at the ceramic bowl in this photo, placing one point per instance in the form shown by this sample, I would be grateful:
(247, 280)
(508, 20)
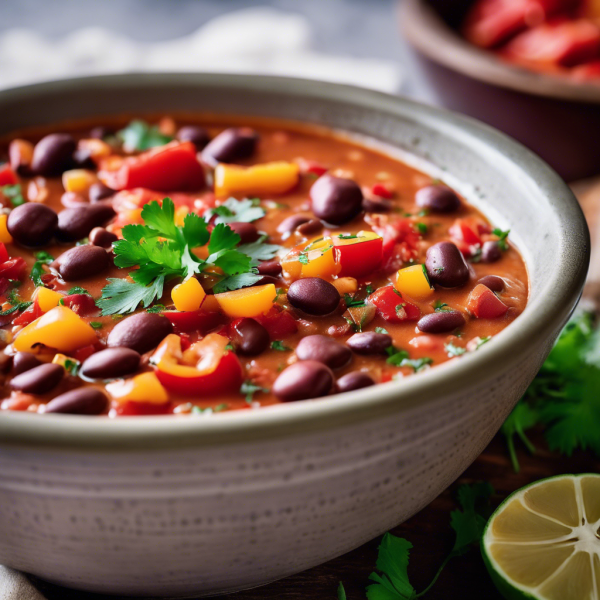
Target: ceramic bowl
(555, 117)
(171, 506)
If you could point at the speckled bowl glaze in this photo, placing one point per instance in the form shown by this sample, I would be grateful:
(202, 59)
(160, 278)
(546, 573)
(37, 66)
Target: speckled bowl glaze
(168, 506)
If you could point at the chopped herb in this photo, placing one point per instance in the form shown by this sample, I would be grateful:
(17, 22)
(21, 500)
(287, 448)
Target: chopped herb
(369, 290)
(503, 235)
(423, 212)
(41, 258)
(83, 242)
(238, 211)
(348, 236)
(14, 193)
(426, 275)
(303, 258)
(96, 324)
(229, 348)
(139, 135)
(439, 306)
(421, 228)
(395, 356)
(71, 366)
(13, 298)
(482, 341)
(196, 410)
(475, 254)
(280, 346)
(453, 350)
(248, 389)
(156, 308)
(400, 311)
(418, 364)
(78, 290)
(353, 301)
(381, 330)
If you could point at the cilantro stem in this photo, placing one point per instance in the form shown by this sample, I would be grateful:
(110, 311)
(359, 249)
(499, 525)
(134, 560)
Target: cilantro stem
(526, 441)
(510, 442)
(438, 572)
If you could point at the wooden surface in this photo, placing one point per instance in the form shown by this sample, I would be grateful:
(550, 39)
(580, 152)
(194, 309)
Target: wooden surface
(465, 578)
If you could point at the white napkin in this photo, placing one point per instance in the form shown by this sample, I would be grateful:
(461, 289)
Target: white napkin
(255, 40)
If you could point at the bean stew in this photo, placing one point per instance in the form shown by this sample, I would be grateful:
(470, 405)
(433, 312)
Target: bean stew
(189, 266)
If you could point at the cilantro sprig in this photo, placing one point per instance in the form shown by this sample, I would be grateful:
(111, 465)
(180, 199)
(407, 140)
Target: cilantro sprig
(14, 193)
(41, 258)
(503, 236)
(161, 250)
(237, 211)
(139, 135)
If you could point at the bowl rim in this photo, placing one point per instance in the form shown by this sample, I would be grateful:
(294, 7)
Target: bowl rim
(151, 433)
(423, 27)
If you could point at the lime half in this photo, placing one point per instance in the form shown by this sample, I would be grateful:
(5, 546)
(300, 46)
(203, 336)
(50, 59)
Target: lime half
(543, 542)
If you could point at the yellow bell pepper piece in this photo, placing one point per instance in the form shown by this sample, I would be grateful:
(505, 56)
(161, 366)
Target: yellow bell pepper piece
(413, 282)
(141, 388)
(188, 295)
(5, 237)
(345, 285)
(269, 178)
(46, 299)
(59, 328)
(320, 260)
(210, 304)
(247, 302)
(78, 180)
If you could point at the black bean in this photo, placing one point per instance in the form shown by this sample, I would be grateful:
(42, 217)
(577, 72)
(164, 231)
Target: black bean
(81, 262)
(141, 332)
(376, 205)
(446, 265)
(302, 380)
(247, 232)
(441, 322)
(495, 283)
(249, 337)
(336, 200)
(353, 381)
(290, 224)
(53, 154)
(370, 342)
(39, 380)
(111, 363)
(102, 238)
(82, 401)
(438, 198)
(325, 350)
(24, 361)
(231, 145)
(32, 224)
(76, 223)
(314, 296)
(490, 252)
(270, 267)
(310, 227)
(98, 191)
(195, 134)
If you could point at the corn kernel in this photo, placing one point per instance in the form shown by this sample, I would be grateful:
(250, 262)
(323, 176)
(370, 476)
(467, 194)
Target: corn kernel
(5, 237)
(47, 299)
(78, 180)
(188, 295)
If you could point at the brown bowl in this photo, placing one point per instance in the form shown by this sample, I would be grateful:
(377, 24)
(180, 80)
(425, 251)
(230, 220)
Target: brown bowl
(555, 117)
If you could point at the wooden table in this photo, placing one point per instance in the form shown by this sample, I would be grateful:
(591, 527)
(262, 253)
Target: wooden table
(429, 531)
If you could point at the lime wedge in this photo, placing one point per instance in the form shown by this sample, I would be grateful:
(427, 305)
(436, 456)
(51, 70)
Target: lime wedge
(543, 542)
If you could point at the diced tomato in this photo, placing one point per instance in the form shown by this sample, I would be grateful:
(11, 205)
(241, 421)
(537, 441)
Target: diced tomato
(392, 307)
(196, 320)
(279, 323)
(467, 231)
(383, 191)
(484, 304)
(3, 253)
(30, 315)
(82, 304)
(492, 22)
(171, 167)
(359, 256)
(400, 241)
(311, 167)
(7, 175)
(564, 43)
(82, 354)
(139, 409)
(13, 268)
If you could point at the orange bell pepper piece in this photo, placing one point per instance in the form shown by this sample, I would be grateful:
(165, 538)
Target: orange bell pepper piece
(142, 388)
(269, 178)
(247, 302)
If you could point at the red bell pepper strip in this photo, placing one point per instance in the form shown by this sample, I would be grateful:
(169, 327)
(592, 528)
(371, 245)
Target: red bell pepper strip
(358, 256)
(30, 315)
(82, 304)
(217, 370)
(392, 307)
(279, 323)
(484, 304)
(3, 253)
(167, 168)
(13, 268)
(7, 175)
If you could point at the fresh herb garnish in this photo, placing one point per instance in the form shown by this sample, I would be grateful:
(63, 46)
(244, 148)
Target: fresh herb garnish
(83, 242)
(14, 193)
(439, 306)
(395, 356)
(139, 135)
(96, 324)
(303, 258)
(78, 290)
(157, 308)
(16, 304)
(41, 258)
(421, 228)
(238, 211)
(453, 350)
(423, 212)
(503, 235)
(248, 389)
(347, 236)
(71, 366)
(381, 330)
(196, 410)
(482, 341)
(418, 364)
(391, 576)
(280, 346)
(523, 417)
(353, 301)
(369, 290)
(341, 592)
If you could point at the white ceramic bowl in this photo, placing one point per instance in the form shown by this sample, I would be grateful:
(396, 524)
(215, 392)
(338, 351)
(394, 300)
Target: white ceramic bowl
(189, 506)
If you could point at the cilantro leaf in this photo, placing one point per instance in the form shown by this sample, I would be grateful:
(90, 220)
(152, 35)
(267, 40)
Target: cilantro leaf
(380, 330)
(161, 218)
(235, 282)
(452, 350)
(14, 193)
(259, 251)
(392, 563)
(195, 231)
(238, 211)
(341, 592)
(439, 306)
(522, 417)
(222, 238)
(280, 346)
(78, 290)
(139, 135)
(122, 296)
(469, 522)
(248, 389)
(503, 235)
(41, 258)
